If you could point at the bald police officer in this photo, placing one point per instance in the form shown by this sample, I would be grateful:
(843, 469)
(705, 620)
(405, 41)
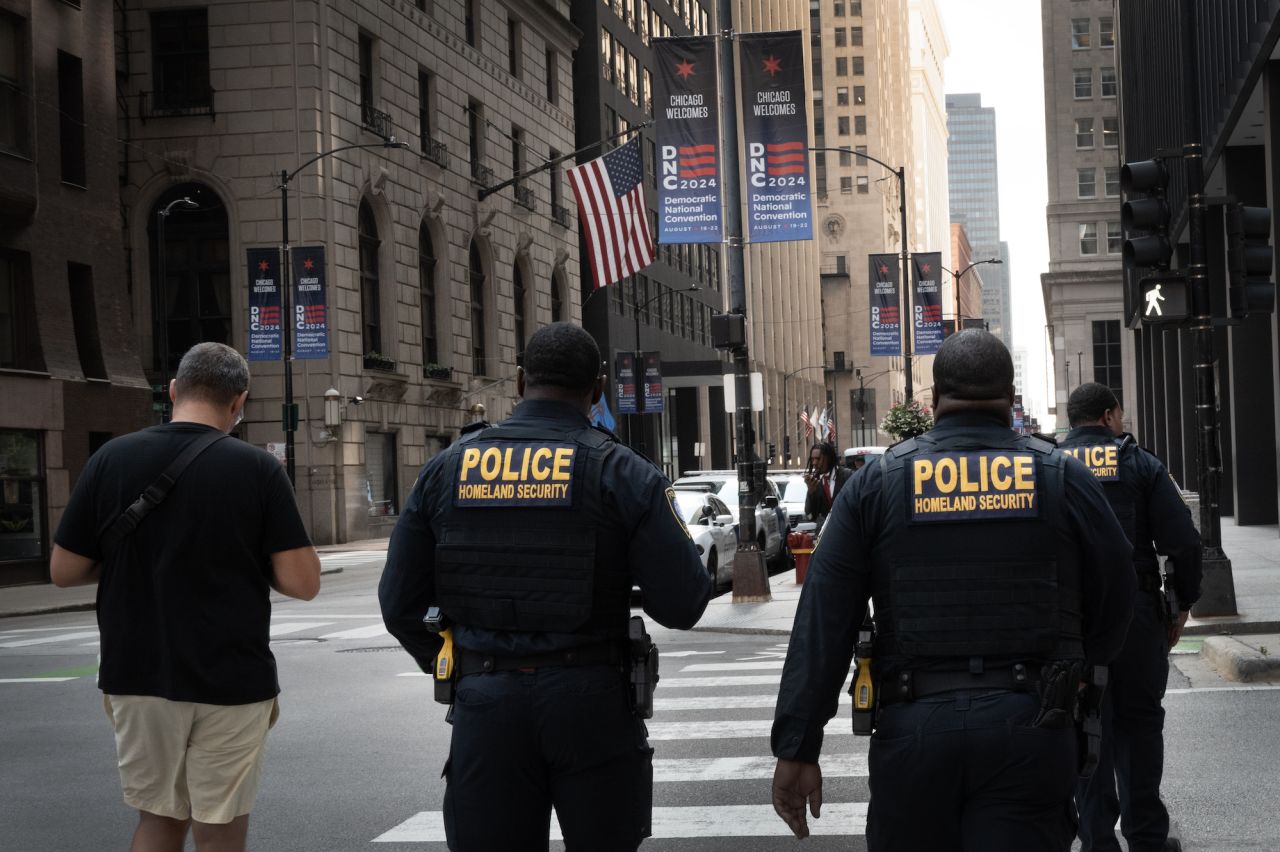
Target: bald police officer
(529, 536)
(995, 564)
(1126, 785)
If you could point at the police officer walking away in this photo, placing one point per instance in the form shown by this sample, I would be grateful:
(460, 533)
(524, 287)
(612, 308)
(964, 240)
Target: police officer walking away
(1156, 520)
(524, 540)
(996, 568)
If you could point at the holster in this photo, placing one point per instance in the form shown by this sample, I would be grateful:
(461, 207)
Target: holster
(644, 667)
(1089, 719)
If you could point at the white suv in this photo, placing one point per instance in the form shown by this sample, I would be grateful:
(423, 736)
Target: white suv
(771, 524)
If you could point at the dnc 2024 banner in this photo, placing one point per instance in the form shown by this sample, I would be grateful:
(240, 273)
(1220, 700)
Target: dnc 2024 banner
(687, 134)
(926, 297)
(310, 313)
(775, 136)
(264, 304)
(886, 314)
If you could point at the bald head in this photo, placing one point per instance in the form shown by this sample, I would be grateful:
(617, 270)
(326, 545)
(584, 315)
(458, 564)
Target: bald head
(973, 365)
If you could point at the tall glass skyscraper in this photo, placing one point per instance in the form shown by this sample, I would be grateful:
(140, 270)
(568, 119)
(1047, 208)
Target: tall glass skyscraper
(975, 201)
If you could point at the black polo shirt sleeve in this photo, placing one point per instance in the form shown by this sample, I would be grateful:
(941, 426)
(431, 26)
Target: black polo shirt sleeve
(1107, 581)
(82, 524)
(408, 586)
(1172, 529)
(833, 603)
(661, 556)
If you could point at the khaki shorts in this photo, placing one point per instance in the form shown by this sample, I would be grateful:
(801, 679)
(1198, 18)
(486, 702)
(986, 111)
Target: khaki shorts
(184, 760)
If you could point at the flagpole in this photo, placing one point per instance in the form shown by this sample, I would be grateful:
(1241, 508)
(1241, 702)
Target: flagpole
(486, 191)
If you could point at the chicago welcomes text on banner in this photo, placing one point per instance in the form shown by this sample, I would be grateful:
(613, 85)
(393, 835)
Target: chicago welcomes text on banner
(264, 303)
(775, 136)
(687, 130)
(926, 272)
(310, 320)
(886, 320)
(653, 383)
(624, 373)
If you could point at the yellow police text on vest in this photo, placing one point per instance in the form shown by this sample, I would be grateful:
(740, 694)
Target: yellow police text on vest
(516, 474)
(972, 486)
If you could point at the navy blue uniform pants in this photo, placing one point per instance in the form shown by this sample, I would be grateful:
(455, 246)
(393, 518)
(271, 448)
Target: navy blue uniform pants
(1126, 784)
(965, 771)
(526, 741)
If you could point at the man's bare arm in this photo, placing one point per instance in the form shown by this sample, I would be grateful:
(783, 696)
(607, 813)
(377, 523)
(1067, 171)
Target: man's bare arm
(71, 569)
(296, 572)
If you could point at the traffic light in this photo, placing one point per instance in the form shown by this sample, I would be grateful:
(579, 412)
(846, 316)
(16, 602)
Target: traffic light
(1249, 260)
(1149, 215)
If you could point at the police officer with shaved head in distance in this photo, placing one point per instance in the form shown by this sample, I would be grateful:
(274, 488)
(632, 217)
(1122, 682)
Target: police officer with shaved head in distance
(509, 578)
(996, 569)
(1146, 500)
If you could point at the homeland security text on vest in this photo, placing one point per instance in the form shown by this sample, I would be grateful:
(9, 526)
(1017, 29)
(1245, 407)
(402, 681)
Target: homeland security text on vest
(972, 486)
(516, 475)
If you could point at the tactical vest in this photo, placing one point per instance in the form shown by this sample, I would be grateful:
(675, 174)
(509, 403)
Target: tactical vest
(975, 561)
(522, 541)
(1114, 462)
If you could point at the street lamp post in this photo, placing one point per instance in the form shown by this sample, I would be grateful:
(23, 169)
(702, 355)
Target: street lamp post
(956, 276)
(906, 322)
(289, 410)
(162, 297)
(862, 402)
(786, 429)
(638, 367)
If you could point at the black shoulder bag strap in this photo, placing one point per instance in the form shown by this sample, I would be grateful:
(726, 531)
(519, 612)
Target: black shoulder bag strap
(128, 520)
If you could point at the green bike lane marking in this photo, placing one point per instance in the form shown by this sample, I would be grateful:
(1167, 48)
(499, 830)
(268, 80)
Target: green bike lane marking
(58, 676)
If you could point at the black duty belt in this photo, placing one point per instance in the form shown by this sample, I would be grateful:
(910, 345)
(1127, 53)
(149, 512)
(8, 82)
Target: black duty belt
(1148, 582)
(599, 654)
(908, 686)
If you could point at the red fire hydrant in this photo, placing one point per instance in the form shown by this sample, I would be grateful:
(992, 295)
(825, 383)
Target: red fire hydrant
(801, 544)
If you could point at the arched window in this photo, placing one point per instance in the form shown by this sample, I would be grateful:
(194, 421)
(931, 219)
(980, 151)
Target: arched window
(427, 294)
(194, 304)
(557, 298)
(519, 295)
(475, 284)
(370, 304)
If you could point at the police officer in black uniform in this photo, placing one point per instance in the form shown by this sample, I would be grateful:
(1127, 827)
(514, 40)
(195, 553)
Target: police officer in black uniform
(529, 536)
(995, 566)
(1156, 520)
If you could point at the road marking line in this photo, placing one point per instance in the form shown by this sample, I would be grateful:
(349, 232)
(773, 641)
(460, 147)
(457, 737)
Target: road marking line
(733, 729)
(733, 667)
(753, 768)
(1261, 687)
(690, 653)
(297, 626)
(839, 819)
(728, 680)
(35, 679)
(45, 629)
(45, 640)
(725, 702)
(367, 632)
(373, 616)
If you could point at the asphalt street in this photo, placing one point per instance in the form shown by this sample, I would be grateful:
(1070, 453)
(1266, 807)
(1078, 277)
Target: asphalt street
(355, 760)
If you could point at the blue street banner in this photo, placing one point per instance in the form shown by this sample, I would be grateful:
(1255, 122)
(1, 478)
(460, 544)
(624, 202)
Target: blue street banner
(775, 136)
(624, 374)
(687, 133)
(886, 314)
(652, 382)
(264, 303)
(310, 314)
(926, 301)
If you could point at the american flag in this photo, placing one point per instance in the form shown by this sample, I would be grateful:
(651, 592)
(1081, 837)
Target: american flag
(697, 161)
(831, 428)
(805, 421)
(785, 158)
(610, 194)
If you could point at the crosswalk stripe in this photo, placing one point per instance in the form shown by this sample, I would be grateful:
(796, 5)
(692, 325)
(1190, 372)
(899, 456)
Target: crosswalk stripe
(45, 640)
(369, 631)
(733, 729)
(17, 630)
(732, 667)
(329, 616)
(296, 627)
(670, 771)
(679, 682)
(724, 702)
(839, 819)
(36, 679)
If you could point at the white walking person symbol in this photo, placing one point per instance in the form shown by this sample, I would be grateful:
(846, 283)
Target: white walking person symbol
(1154, 298)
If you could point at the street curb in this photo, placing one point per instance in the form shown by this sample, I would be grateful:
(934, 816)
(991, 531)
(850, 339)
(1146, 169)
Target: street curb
(1236, 661)
(1230, 628)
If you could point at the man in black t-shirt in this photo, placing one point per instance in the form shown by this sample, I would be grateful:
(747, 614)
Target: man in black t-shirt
(187, 673)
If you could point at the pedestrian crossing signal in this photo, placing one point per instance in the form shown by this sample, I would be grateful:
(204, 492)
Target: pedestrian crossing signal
(1163, 299)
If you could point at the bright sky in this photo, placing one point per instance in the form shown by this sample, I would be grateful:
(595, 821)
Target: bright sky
(995, 50)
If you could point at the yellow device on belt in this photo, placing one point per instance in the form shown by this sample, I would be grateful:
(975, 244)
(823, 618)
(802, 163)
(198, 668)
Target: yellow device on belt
(444, 660)
(443, 670)
(863, 689)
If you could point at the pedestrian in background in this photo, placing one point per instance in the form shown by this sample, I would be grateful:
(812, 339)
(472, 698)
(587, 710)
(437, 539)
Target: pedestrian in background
(996, 568)
(529, 536)
(824, 479)
(1126, 785)
(184, 576)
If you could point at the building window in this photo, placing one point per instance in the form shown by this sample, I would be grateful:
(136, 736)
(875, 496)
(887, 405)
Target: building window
(1087, 183)
(475, 137)
(606, 54)
(553, 76)
(1084, 134)
(837, 8)
(71, 118)
(19, 341)
(1115, 238)
(860, 95)
(1106, 32)
(865, 416)
(864, 185)
(557, 298)
(861, 151)
(13, 84)
(842, 125)
(520, 298)
(846, 159)
(476, 288)
(1108, 368)
(84, 321)
(846, 185)
(513, 47)
(1108, 83)
(859, 66)
(860, 125)
(646, 94)
(1111, 132)
(426, 94)
(842, 66)
(842, 37)
(517, 156)
(1083, 83)
(1080, 34)
(1111, 181)
(427, 296)
(633, 79)
(471, 22)
(1088, 238)
(180, 59)
(370, 301)
(366, 75)
(22, 533)
(380, 472)
(855, 36)
(855, 8)
(194, 263)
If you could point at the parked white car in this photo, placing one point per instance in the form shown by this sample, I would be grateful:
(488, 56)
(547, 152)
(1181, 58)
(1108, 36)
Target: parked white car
(791, 487)
(771, 530)
(712, 526)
